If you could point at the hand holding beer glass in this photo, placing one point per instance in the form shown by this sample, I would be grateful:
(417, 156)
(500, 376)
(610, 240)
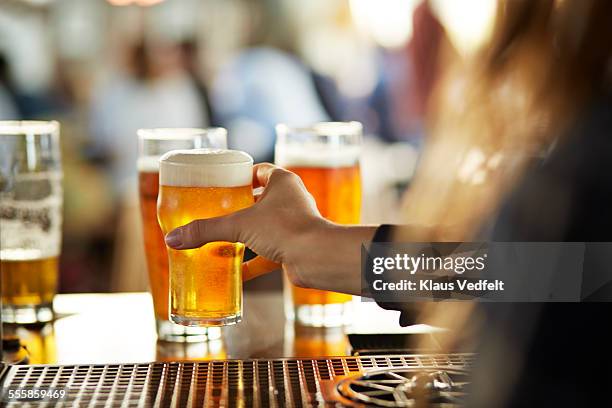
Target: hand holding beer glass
(326, 157)
(153, 143)
(205, 282)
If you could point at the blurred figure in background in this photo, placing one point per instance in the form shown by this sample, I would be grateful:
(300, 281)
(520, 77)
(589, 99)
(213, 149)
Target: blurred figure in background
(153, 89)
(425, 65)
(8, 108)
(190, 50)
(258, 89)
(265, 83)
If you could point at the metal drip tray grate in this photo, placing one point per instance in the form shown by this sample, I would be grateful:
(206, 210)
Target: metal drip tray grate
(407, 387)
(259, 383)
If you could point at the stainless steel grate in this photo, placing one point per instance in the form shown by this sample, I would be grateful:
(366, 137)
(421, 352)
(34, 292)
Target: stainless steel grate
(406, 387)
(258, 383)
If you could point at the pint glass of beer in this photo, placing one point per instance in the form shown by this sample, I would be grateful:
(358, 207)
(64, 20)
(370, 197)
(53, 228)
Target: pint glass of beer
(326, 157)
(206, 282)
(30, 219)
(153, 143)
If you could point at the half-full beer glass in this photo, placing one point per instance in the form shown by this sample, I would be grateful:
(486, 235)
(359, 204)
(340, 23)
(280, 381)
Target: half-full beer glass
(30, 219)
(326, 157)
(206, 282)
(153, 143)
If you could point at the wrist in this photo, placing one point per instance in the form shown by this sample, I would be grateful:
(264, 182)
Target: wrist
(330, 258)
(304, 259)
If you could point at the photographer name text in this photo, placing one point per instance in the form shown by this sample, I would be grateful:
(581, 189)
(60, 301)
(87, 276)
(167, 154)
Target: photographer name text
(482, 285)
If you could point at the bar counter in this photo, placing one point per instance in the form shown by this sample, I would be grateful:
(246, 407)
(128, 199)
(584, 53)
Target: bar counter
(119, 328)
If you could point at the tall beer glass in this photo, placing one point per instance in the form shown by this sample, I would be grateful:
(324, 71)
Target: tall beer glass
(153, 143)
(326, 157)
(206, 282)
(30, 219)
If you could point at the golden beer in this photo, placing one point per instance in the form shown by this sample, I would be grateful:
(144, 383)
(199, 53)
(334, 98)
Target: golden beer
(155, 247)
(206, 282)
(337, 191)
(326, 157)
(29, 282)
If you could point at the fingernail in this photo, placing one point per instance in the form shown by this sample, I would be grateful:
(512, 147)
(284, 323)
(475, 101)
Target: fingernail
(173, 239)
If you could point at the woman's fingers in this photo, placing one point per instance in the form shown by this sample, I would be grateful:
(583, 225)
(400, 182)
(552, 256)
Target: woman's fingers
(258, 266)
(199, 232)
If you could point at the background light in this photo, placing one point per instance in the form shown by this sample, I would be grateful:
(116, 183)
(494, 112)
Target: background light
(387, 22)
(468, 23)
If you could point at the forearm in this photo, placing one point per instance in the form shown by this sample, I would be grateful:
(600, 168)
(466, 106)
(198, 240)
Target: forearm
(331, 257)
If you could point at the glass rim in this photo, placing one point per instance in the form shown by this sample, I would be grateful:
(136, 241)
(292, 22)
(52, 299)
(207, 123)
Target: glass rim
(178, 133)
(331, 129)
(23, 127)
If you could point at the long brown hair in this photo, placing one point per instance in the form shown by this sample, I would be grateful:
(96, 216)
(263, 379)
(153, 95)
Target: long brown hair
(494, 111)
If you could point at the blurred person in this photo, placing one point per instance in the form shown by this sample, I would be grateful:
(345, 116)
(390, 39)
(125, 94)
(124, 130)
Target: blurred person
(396, 108)
(424, 50)
(520, 150)
(189, 51)
(265, 83)
(152, 90)
(16, 103)
(8, 107)
(260, 87)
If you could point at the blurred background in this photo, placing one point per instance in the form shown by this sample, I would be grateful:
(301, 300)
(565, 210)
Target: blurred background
(105, 68)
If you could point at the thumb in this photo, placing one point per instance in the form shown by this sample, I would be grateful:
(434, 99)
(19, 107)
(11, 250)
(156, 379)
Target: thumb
(199, 232)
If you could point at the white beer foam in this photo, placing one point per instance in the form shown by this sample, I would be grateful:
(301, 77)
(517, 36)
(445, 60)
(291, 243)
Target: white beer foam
(316, 155)
(148, 164)
(206, 168)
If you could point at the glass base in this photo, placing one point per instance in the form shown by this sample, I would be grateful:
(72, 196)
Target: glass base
(173, 333)
(330, 315)
(27, 314)
(206, 322)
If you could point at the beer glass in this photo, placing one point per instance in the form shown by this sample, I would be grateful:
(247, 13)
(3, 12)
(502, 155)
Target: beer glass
(153, 143)
(206, 282)
(30, 219)
(326, 157)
